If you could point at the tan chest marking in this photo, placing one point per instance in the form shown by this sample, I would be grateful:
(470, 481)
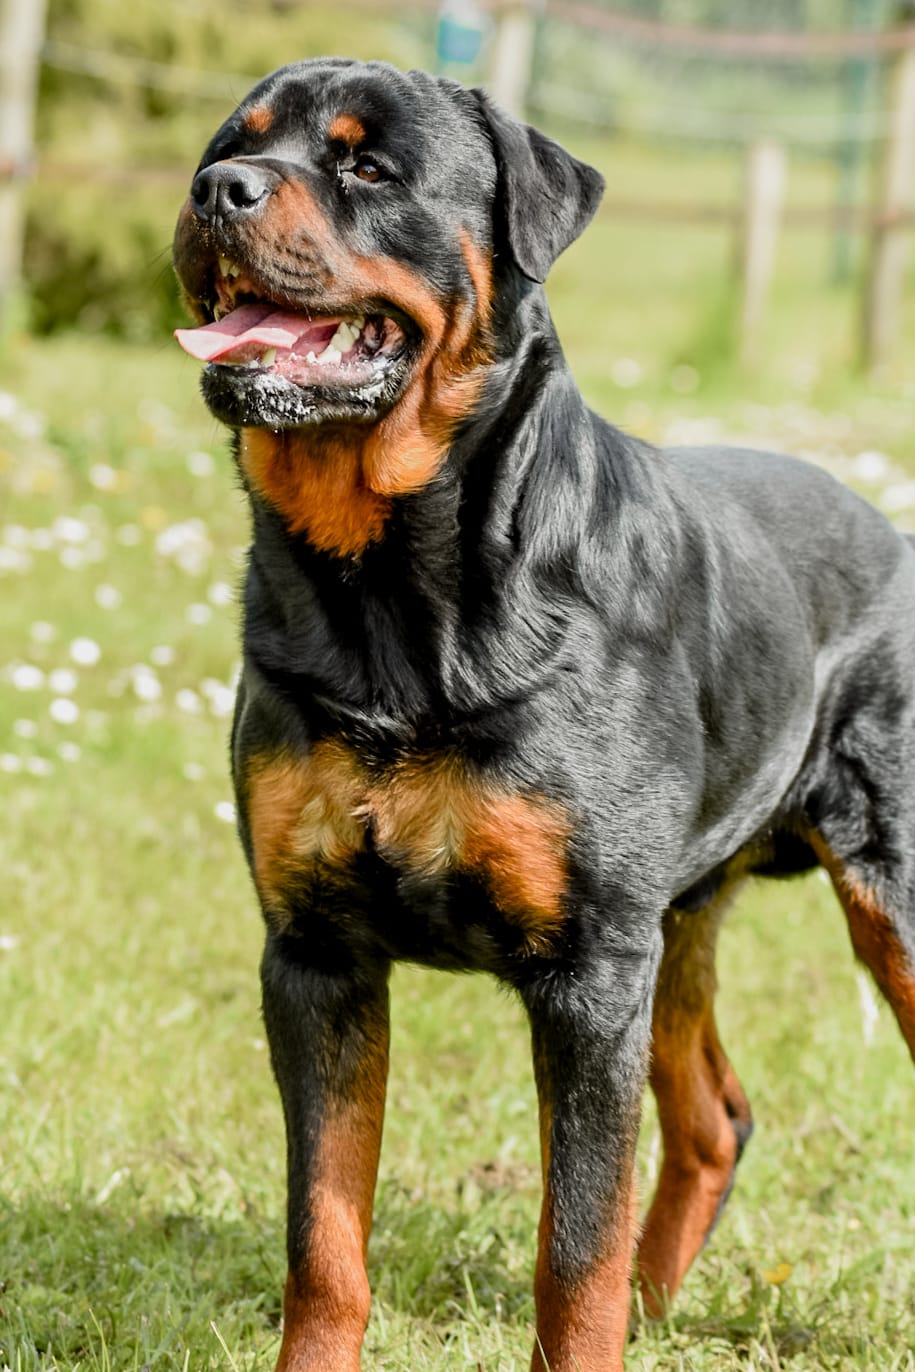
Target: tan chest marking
(428, 816)
(301, 813)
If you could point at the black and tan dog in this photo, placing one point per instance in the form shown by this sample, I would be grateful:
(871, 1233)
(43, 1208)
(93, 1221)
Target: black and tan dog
(520, 693)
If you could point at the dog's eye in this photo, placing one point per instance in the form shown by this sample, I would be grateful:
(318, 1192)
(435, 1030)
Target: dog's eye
(367, 169)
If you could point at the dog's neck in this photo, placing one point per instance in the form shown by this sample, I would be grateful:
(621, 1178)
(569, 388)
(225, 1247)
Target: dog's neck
(452, 607)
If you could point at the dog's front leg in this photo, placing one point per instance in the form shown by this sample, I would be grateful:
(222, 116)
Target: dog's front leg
(328, 1033)
(591, 1030)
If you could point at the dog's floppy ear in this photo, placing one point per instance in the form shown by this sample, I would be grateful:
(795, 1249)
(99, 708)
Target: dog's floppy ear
(547, 195)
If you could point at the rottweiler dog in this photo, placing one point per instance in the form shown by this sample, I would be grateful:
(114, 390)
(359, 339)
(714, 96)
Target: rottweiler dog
(521, 693)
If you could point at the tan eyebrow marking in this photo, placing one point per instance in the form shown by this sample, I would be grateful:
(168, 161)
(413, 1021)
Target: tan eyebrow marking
(258, 120)
(346, 128)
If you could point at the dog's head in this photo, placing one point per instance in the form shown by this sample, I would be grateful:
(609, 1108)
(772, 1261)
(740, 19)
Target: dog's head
(345, 235)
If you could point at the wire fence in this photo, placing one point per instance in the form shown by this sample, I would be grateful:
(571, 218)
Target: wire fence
(618, 72)
(816, 90)
(592, 62)
(120, 69)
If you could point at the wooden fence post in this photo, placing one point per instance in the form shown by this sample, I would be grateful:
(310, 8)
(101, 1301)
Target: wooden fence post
(21, 36)
(857, 83)
(895, 196)
(513, 55)
(766, 174)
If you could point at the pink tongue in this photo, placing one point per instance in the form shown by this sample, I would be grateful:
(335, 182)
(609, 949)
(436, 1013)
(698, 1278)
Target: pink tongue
(261, 325)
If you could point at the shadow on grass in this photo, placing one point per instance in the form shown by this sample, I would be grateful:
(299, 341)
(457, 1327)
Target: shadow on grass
(434, 1263)
(747, 1319)
(107, 1289)
(115, 1288)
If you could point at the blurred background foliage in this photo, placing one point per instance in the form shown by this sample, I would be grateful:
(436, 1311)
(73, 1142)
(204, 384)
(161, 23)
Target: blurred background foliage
(131, 92)
(97, 244)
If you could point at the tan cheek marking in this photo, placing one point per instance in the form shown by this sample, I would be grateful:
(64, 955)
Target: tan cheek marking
(302, 812)
(259, 120)
(336, 486)
(296, 231)
(346, 128)
(406, 450)
(316, 484)
(479, 268)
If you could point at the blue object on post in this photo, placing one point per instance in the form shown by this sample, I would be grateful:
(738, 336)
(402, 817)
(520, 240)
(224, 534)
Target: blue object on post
(459, 37)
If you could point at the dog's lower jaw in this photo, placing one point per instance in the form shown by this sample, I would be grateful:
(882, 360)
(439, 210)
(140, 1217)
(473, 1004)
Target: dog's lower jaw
(255, 397)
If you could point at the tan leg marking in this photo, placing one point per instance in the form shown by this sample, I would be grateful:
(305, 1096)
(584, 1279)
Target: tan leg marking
(326, 1306)
(874, 940)
(583, 1328)
(701, 1106)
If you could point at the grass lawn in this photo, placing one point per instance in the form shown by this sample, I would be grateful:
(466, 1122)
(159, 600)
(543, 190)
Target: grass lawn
(141, 1151)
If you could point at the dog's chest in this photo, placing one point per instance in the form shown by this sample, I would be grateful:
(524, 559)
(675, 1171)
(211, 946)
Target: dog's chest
(425, 817)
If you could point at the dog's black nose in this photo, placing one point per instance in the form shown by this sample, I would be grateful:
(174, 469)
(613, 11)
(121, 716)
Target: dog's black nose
(229, 189)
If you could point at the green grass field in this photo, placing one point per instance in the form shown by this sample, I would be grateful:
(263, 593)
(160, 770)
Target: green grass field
(141, 1151)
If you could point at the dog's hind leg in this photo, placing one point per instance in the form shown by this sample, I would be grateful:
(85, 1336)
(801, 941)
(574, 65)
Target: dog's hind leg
(704, 1115)
(881, 935)
(859, 807)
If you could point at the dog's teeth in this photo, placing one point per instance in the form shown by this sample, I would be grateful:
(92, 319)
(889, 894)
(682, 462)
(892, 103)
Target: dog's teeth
(330, 354)
(225, 266)
(269, 357)
(342, 339)
(234, 270)
(310, 356)
(219, 312)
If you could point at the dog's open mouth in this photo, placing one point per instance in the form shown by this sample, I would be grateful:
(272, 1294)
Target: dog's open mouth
(277, 365)
(320, 351)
